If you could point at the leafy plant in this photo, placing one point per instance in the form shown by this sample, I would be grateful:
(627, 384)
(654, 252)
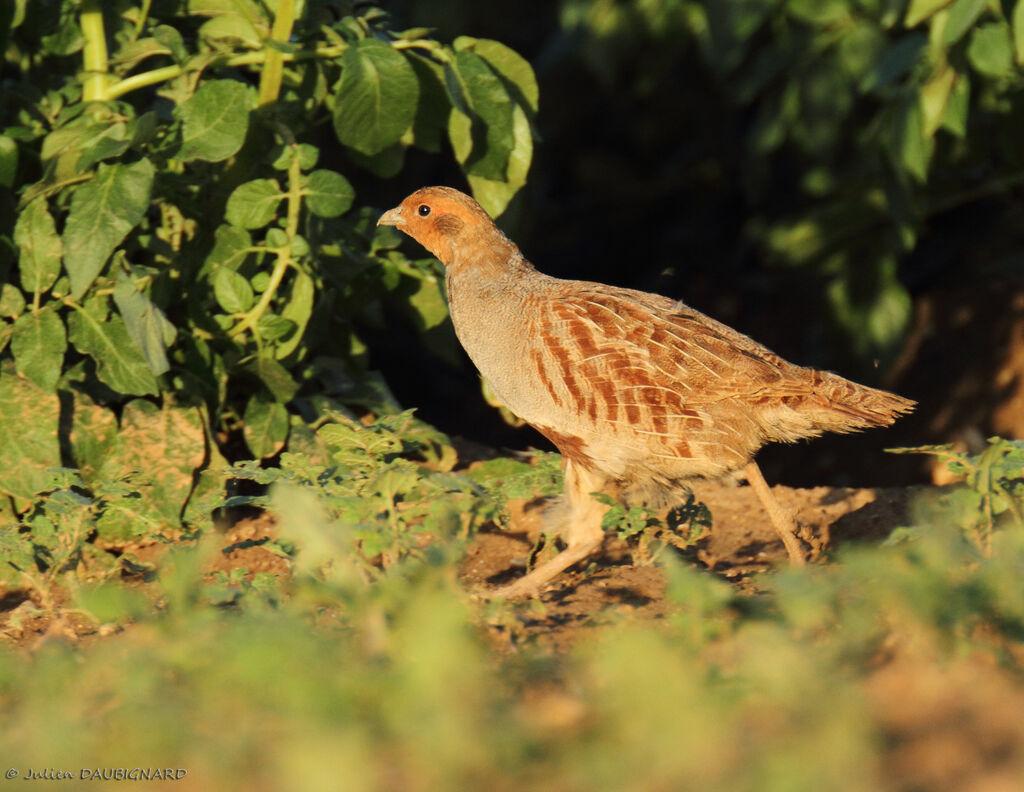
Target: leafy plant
(992, 493)
(387, 506)
(186, 264)
(649, 531)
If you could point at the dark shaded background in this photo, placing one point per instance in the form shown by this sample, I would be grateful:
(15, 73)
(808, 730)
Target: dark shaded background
(641, 179)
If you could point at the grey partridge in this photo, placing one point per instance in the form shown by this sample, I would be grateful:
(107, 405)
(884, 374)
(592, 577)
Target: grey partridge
(638, 392)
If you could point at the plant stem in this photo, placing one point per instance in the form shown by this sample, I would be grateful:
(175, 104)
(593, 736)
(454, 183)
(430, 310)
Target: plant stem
(284, 253)
(252, 316)
(273, 66)
(155, 76)
(94, 53)
(143, 14)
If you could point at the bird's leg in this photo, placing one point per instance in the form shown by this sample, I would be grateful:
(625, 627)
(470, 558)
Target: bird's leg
(582, 535)
(781, 519)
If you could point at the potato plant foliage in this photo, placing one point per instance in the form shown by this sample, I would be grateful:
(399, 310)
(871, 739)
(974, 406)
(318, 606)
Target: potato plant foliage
(184, 256)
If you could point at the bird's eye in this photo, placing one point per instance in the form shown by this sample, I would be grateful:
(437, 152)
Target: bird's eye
(424, 210)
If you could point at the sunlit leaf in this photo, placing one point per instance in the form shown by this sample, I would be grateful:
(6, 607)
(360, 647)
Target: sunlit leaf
(991, 50)
(491, 113)
(962, 15)
(230, 248)
(38, 344)
(1017, 23)
(12, 301)
(41, 248)
(265, 426)
(934, 97)
(215, 121)
(955, 117)
(328, 193)
(119, 360)
(146, 324)
(254, 204)
(8, 161)
(509, 65)
(275, 377)
(28, 423)
(919, 10)
(297, 310)
(377, 96)
(233, 292)
(103, 211)
(493, 195)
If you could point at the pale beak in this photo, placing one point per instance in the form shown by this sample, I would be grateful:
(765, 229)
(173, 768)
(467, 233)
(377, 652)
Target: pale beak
(392, 217)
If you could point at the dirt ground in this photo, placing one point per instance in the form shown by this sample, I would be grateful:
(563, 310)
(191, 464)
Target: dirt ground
(740, 543)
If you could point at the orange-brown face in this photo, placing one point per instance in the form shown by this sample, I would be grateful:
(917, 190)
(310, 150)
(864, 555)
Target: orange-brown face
(437, 217)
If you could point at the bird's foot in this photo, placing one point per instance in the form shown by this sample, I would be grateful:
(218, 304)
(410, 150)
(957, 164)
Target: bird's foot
(530, 585)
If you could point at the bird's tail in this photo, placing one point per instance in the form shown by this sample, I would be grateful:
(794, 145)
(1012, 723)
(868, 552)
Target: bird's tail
(829, 403)
(858, 406)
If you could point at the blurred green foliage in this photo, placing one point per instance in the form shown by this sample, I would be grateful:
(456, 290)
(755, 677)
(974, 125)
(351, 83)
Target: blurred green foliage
(386, 682)
(833, 137)
(991, 494)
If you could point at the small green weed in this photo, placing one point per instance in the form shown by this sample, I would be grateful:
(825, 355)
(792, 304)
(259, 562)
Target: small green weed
(649, 532)
(992, 493)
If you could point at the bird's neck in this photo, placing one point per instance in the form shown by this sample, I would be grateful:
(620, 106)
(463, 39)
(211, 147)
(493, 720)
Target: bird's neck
(488, 257)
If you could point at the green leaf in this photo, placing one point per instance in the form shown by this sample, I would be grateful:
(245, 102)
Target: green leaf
(265, 426)
(103, 211)
(146, 324)
(119, 361)
(8, 161)
(328, 194)
(494, 196)
(29, 416)
(297, 310)
(169, 37)
(962, 15)
(935, 96)
(911, 148)
(512, 67)
(232, 291)
(283, 156)
(820, 12)
(954, 118)
(12, 301)
(492, 116)
(230, 26)
(93, 436)
(275, 376)
(35, 234)
(272, 327)
(215, 121)
(1017, 22)
(433, 106)
(38, 345)
(991, 50)
(230, 248)
(253, 204)
(104, 148)
(159, 449)
(919, 10)
(377, 97)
